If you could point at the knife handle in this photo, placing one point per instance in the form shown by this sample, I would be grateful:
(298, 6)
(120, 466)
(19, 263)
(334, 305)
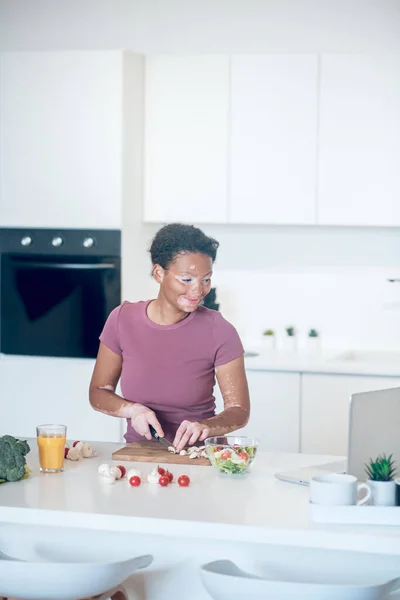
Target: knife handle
(153, 432)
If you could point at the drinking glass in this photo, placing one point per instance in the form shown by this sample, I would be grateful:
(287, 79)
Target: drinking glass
(51, 442)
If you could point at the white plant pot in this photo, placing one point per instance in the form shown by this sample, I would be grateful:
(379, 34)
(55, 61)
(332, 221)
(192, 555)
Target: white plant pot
(383, 493)
(313, 345)
(269, 342)
(289, 343)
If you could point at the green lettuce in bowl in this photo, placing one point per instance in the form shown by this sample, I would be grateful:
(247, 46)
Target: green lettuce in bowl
(231, 455)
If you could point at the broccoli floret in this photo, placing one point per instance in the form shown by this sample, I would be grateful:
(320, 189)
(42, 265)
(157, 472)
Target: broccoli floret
(12, 458)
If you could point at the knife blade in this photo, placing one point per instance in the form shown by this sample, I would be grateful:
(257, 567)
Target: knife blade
(163, 441)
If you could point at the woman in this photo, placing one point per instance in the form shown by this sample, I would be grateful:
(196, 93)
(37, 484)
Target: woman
(168, 351)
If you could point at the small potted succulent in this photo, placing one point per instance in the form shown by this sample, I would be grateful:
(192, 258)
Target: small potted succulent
(269, 339)
(290, 340)
(381, 473)
(313, 341)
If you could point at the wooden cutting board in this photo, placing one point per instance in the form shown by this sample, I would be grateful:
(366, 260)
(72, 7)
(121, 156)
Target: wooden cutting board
(154, 453)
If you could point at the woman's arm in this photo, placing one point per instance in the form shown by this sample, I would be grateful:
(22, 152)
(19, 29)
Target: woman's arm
(232, 381)
(103, 398)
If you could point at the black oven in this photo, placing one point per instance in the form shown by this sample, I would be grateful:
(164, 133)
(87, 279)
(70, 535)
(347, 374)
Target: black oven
(57, 288)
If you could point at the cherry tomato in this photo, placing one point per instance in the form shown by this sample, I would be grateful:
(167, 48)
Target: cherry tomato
(122, 469)
(170, 476)
(243, 455)
(161, 471)
(66, 450)
(135, 481)
(164, 480)
(226, 454)
(183, 481)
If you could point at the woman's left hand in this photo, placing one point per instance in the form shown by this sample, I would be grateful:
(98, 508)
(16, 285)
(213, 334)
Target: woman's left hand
(190, 432)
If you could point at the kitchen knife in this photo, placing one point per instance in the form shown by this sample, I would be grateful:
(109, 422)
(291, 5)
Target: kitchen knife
(162, 440)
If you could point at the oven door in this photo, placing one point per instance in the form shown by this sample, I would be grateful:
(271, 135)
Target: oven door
(56, 307)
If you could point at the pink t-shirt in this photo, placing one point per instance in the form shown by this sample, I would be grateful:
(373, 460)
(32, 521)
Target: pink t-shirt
(170, 368)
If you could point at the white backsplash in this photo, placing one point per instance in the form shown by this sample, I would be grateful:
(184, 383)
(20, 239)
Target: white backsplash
(353, 309)
(333, 279)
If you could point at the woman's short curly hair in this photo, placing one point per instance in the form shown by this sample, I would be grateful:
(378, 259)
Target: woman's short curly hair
(175, 239)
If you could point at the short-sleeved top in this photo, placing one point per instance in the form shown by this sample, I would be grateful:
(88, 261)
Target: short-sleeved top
(170, 368)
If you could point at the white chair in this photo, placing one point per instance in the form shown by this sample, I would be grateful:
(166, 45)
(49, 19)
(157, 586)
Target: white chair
(118, 593)
(29, 580)
(223, 580)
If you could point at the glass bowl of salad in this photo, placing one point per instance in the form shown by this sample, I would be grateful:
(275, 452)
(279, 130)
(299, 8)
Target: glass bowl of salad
(231, 455)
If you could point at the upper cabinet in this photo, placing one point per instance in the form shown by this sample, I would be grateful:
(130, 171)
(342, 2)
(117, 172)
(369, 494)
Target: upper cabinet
(273, 139)
(359, 144)
(266, 139)
(186, 133)
(61, 140)
(226, 142)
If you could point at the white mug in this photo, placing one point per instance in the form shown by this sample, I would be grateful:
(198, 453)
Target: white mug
(337, 489)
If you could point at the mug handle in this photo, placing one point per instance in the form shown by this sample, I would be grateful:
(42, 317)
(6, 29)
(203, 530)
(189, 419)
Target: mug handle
(363, 486)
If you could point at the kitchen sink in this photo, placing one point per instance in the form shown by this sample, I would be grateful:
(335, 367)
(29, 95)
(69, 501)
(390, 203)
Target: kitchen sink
(369, 356)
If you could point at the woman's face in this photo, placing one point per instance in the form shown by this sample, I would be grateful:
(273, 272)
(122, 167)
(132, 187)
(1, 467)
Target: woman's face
(187, 280)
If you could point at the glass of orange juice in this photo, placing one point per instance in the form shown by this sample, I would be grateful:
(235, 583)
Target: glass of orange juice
(51, 442)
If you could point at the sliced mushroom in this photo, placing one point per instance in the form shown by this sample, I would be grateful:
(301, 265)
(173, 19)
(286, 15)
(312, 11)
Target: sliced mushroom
(183, 453)
(193, 455)
(204, 454)
(172, 450)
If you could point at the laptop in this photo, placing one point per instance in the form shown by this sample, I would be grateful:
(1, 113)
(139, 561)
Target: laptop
(374, 428)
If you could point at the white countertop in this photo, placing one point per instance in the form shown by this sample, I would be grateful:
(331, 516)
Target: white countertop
(350, 362)
(257, 508)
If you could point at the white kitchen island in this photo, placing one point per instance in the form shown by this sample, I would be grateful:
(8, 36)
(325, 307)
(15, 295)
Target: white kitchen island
(252, 520)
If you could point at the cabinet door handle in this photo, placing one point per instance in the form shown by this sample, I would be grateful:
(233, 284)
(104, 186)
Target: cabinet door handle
(51, 265)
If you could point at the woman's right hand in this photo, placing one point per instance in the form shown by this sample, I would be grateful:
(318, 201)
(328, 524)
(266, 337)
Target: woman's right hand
(141, 418)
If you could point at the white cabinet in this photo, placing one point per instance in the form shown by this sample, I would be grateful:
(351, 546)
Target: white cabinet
(186, 136)
(225, 142)
(62, 139)
(359, 140)
(325, 409)
(275, 410)
(38, 390)
(273, 139)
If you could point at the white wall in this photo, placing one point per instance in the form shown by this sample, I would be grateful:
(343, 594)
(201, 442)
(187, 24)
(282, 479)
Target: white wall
(275, 276)
(334, 279)
(152, 26)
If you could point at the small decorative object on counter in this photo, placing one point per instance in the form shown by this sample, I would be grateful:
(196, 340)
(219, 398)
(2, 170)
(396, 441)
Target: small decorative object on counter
(313, 341)
(290, 341)
(269, 339)
(381, 473)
